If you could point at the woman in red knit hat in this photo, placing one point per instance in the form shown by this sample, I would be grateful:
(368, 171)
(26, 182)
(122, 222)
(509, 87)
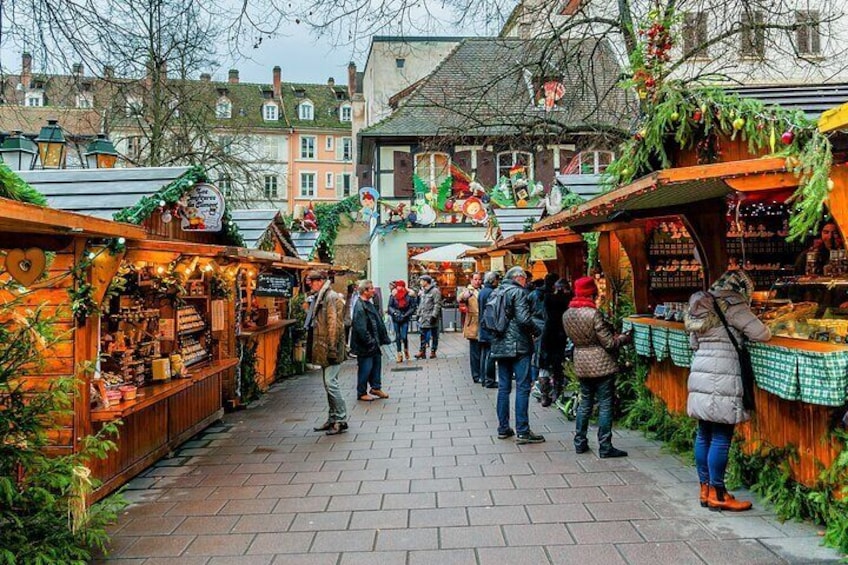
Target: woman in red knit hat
(595, 350)
(401, 309)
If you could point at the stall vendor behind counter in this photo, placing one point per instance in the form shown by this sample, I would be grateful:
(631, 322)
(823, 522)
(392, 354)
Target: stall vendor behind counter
(813, 260)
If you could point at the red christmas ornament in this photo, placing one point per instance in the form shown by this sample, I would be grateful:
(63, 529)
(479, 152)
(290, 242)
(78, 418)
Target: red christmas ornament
(697, 115)
(788, 137)
(449, 205)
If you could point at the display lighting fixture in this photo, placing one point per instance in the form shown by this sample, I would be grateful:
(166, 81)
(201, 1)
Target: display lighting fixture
(101, 153)
(52, 146)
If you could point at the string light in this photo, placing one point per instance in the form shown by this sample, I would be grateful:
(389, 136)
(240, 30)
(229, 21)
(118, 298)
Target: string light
(160, 269)
(92, 255)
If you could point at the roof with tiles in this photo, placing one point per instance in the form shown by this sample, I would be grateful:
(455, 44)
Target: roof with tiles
(487, 86)
(327, 100)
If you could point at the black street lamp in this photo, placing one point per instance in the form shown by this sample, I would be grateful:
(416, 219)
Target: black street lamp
(100, 153)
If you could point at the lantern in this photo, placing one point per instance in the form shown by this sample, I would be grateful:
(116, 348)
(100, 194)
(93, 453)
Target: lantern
(51, 146)
(100, 153)
(18, 152)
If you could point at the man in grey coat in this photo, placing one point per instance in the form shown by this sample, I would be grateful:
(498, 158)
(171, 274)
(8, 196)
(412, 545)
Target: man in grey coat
(429, 314)
(513, 350)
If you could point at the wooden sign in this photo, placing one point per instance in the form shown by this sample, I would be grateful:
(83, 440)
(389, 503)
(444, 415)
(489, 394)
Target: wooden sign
(274, 285)
(26, 266)
(543, 250)
(497, 264)
(202, 209)
(218, 315)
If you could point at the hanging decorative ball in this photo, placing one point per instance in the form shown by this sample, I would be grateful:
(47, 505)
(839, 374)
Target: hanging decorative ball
(625, 172)
(738, 123)
(674, 116)
(162, 203)
(788, 137)
(650, 82)
(697, 115)
(449, 205)
(830, 184)
(167, 217)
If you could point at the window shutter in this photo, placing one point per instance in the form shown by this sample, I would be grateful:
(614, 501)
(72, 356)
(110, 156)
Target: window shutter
(403, 174)
(802, 33)
(544, 168)
(487, 169)
(462, 160)
(688, 32)
(339, 185)
(815, 36)
(702, 35)
(339, 148)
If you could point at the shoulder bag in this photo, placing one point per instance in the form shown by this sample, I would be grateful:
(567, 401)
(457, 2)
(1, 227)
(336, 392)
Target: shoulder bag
(744, 361)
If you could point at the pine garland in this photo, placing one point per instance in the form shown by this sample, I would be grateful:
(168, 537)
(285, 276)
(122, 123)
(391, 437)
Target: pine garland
(699, 118)
(14, 187)
(328, 217)
(171, 194)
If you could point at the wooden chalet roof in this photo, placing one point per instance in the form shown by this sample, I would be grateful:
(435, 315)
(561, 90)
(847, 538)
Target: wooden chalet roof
(18, 217)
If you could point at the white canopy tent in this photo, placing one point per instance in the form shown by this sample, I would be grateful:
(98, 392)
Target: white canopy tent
(445, 254)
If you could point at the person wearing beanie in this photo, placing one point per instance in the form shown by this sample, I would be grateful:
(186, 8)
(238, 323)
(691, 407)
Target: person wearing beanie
(513, 350)
(401, 309)
(595, 350)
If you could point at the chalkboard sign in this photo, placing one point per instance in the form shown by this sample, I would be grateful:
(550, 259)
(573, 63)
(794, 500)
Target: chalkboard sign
(274, 285)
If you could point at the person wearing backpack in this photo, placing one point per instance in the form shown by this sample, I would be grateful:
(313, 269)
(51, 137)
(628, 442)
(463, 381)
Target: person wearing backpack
(509, 318)
(484, 336)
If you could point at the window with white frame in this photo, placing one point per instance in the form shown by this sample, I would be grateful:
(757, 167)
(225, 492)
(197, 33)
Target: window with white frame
(307, 185)
(34, 99)
(307, 147)
(134, 106)
(509, 160)
(224, 109)
(273, 148)
(270, 112)
(347, 149)
(306, 110)
(328, 145)
(84, 100)
(432, 168)
(328, 181)
(270, 187)
(594, 162)
(346, 113)
(225, 185)
(347, 184)
(808, 34)
(134, 148)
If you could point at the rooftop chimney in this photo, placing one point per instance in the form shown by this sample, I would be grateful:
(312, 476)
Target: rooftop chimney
(26, 69)
(76, 69)
(351, 79)
(331, 82)
(233, 77)
(205, 77)
(278, 79)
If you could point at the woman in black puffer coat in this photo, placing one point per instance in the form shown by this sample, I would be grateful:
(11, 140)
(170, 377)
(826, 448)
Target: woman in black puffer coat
(552, 342)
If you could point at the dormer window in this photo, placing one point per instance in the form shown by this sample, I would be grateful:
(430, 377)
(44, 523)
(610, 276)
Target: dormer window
(306, 110)
(34, 99)
(224, 109)
(134, 106)
(270, 112)
(345, 113)
(84, 100)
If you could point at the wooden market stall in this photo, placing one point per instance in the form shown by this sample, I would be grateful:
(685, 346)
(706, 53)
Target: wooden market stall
(677, 231)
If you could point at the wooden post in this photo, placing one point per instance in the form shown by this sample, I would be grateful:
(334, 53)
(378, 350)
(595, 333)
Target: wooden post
(634, 243)
(707, 225)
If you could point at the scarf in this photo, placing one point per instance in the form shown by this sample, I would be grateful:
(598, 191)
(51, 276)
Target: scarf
(313, 307)
(582, 302)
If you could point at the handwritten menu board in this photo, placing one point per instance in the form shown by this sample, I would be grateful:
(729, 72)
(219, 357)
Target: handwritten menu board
(274, 285)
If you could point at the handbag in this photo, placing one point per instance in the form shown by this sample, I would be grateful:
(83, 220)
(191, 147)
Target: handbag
(744, 361)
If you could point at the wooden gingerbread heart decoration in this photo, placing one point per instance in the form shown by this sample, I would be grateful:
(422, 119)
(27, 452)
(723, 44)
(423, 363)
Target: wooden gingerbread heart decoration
(25, 266)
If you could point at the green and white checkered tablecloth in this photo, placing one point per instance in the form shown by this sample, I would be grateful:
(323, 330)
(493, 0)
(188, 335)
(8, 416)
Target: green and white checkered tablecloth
(626, 325)
(642, 339)
(823, 377)
(659, 339)
(678, 347)
(776, 370)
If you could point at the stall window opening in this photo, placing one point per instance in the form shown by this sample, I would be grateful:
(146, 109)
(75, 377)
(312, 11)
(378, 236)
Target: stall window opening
(432, 168)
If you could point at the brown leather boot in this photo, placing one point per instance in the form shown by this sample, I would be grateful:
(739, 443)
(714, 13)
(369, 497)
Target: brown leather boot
(719, 499)
(705, 494)
(421, 354)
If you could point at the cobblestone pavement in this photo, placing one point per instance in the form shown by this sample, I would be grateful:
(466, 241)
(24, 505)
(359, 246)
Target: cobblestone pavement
(421, 479)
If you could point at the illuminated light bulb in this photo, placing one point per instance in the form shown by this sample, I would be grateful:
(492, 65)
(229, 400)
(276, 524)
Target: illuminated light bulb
(162, 203)
(167, 217)
(91, 255)
(208, 268)
(121, 241)
(160, 270)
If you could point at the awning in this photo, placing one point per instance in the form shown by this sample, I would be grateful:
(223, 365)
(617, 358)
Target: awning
(445, 254)
(672, 188)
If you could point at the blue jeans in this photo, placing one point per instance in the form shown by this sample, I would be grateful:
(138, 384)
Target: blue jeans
(368, 371)
(428, 334)
(592, 390)
(487, 364)
(401, 333)
(474, 356)
(518, 367)
(712, 445)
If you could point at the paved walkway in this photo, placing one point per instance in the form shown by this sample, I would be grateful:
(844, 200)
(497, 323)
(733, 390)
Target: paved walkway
(421, 479)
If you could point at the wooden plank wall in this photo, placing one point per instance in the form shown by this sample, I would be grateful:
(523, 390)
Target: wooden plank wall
(59, 361)
(266, 357)
(776, 422)
(172, 231)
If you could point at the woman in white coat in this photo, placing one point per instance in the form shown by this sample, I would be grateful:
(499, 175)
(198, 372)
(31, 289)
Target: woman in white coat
(715, 379)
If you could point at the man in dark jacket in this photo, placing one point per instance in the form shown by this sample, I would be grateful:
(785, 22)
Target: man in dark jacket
(487, 364)
(537, 311)
(368, 333)
(513, 351)
(429, 315)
